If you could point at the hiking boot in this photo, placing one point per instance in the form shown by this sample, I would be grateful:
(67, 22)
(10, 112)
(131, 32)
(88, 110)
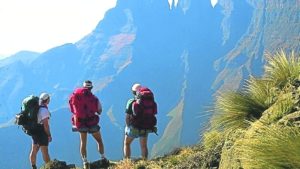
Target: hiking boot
(34, 167)
(86, 165)
(104, 162)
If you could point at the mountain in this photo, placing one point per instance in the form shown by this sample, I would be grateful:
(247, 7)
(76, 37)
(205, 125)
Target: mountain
(183, 50)
(26, 57)
(274, 25)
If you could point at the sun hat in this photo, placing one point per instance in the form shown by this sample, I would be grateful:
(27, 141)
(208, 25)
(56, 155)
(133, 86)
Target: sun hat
(44, 96)
(136, 87)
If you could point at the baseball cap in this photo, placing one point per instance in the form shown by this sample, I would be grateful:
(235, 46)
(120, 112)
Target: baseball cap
(87, 84)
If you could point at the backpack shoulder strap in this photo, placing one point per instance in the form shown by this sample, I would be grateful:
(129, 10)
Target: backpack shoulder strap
(80, 90)
(129, 106)
(44, 106)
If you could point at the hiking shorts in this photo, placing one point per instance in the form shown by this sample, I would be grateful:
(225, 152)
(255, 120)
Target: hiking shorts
(92, 129)
(135, 133)
(41, 139)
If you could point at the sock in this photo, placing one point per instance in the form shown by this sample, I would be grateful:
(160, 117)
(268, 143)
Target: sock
(102, 156)
(84, 160)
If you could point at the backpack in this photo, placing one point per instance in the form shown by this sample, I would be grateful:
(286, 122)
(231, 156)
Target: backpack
(144, 110)
(27, 118)
(83, 104)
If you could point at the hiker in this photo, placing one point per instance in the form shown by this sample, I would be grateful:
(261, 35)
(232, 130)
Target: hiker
(41, 139)
(140, 119)
(86, 109)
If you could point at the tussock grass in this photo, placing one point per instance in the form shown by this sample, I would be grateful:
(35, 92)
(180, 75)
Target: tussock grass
(234, 110)
(281, 68)
(282, 107)
(262, 110)
(273, 146)
(263, 92)
(212, 139)
(183, 158)
(125, 164)
(237, 109)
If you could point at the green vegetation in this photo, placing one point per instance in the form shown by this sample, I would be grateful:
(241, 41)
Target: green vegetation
(189, 157)
(260, 121)
(274, 146)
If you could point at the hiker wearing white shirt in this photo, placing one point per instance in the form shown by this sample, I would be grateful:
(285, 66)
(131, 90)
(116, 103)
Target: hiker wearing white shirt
(42, 138)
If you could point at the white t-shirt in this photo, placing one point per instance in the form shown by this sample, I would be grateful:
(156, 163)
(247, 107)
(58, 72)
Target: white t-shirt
(43, 114)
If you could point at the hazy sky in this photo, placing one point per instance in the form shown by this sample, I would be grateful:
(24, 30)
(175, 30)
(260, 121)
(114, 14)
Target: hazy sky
(38, 25)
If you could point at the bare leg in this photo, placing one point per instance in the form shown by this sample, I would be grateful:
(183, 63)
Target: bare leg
(98, 138)
(127, 150)
(32, 156)
(83, 140)
(45, 153)
(144, 148)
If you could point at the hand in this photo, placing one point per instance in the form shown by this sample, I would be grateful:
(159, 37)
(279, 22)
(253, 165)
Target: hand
(49, 138)
(127, 129)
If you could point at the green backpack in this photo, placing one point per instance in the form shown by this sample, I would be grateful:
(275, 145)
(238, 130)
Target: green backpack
(27, 118)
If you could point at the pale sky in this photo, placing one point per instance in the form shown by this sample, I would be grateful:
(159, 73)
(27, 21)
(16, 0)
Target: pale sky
(38, 25)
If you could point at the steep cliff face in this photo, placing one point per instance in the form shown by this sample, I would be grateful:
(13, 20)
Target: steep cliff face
(151, 43)
(274, 25)
(169, 48)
